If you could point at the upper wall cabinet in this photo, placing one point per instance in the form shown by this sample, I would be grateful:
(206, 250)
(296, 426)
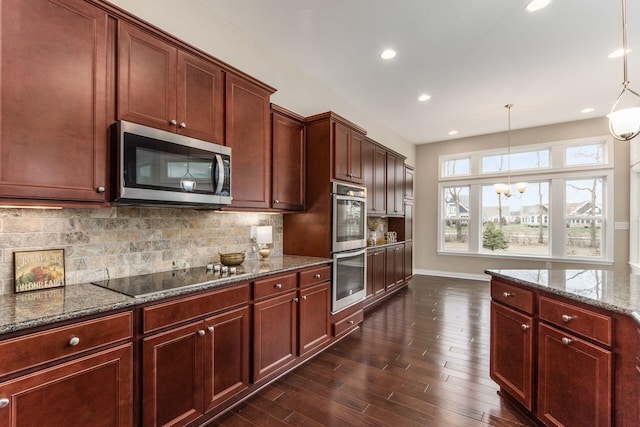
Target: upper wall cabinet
(288, 174)
(375, 175)
(395, 184)
(248, 133)
(408, 182)
(54, 115)
(348, 144)
(168, 88)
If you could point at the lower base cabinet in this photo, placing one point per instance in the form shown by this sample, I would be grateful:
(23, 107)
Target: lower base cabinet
(95, 390)
(190, 369)
(574, 380)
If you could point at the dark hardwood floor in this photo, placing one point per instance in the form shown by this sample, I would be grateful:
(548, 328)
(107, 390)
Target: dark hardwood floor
(419, 359)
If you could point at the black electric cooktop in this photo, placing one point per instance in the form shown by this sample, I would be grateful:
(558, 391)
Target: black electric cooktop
(148, 284)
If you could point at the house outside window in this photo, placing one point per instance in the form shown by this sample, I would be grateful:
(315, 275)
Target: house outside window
(562, 215)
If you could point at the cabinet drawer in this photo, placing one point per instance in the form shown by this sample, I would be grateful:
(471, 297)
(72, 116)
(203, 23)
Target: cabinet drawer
(171, 313)
(584, 322)
(348, 323)
(513, 296)
(315, 275)
(38, 348)
(274, 285)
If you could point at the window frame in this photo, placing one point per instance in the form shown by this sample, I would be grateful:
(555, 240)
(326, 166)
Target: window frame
(557, 175)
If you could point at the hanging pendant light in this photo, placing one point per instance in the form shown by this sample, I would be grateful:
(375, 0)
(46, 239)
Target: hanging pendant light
(624, 123)
(501, 188)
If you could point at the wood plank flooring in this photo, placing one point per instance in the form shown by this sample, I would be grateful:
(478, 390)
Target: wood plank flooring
(419, 359)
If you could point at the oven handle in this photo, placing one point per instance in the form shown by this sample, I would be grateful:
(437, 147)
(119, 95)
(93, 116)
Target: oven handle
(350, 253)
(218, 180)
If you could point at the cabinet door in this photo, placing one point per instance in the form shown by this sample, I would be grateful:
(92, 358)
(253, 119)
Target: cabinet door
(288, 163)
(274, 334)
(53, 87)
(511, 360)
(376, 272)
(394, 266)
(95, 390)
(374, 174)
(408, 221)
(408, 260)
(172, 375)
(356, 146)
(574, 380)
(399, 264)
(341, 162)
(315, 307)
(408, 182)
(200, 98)
(368, 152)
(395, 185)
(146, 78)
(248, 133)
(226, 370)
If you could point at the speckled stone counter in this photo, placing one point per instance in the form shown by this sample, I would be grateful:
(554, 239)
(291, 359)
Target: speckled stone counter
(617, 291)
(32, 309)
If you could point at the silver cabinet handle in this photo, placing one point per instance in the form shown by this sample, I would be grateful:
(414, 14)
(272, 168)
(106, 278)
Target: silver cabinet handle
(201, 332)
(100, 189)
(304, 298)
(173, 122)
(566, 318)
(278, 285)
(566, 341)
(525, 327)
(277, 201)
(507, 294)
(351, 322)
(182, 125)
(74, 341)
(317, 276)
(296, 300)
(4, 402)
(210, 329)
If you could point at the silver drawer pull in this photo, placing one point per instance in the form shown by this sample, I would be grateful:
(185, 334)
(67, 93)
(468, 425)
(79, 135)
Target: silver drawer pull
(566, 341)
(278, 286)
(507, 294)
(317, 276)
(566, 319)
(351, 322)
(296, 300)
(210, 328)
(201, 332)
(525, 327)
(173, 122)
(304, 298)
(74, 341)
(4, 402)
(182, 125)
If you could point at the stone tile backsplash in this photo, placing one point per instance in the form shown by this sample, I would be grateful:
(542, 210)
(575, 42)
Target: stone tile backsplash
(120, 242)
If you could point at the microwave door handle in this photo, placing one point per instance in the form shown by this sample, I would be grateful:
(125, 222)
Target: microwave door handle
(219, 179)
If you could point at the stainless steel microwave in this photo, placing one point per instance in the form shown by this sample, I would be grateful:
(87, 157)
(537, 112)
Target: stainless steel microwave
(159, 168)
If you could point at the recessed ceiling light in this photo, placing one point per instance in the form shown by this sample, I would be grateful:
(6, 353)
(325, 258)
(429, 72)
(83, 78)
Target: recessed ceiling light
(424, 97)
(618, 53)
(536, 5)
(388, 54)
(587, 110)
(453, 132)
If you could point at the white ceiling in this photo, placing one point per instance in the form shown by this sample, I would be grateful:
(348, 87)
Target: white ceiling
(471, 56)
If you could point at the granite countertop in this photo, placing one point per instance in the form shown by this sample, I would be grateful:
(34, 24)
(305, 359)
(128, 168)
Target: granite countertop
(38, 308)
(617, 291)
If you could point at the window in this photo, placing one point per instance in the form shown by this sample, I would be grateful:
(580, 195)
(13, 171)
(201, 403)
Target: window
(560, 216)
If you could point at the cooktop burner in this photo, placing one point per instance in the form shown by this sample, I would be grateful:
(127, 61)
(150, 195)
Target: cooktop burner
(148, 284)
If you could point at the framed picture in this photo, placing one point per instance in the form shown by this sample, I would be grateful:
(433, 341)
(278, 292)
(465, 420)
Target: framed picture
(34, 270)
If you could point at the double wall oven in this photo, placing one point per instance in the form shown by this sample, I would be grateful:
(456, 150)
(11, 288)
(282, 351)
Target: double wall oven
(348, 244)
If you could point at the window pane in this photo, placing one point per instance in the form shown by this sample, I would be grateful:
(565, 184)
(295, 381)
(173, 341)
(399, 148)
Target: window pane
(584, 210)
(584, 155)
(519, 161)
(456, 167)
(518, 224)
(456, 218)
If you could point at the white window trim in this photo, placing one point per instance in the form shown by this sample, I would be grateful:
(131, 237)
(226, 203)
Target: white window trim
(557, 176)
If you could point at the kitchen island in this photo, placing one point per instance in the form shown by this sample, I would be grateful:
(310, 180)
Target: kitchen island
(565, 344)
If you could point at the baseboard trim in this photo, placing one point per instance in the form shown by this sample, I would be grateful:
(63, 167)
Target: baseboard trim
(452, 274)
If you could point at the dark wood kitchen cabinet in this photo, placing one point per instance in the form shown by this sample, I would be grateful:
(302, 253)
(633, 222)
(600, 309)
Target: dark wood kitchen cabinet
(394, 271)
(376, 267)
(375, 173)
(408, 182)
(248, 133)
(408, 259)
(168, 88)
(395, 184)
(56, 71)
(212, 350)
(348, 158)
(288, 171)
(314, 325)
(86, 376)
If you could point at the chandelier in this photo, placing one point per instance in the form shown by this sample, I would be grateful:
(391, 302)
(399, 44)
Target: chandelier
(501, 188)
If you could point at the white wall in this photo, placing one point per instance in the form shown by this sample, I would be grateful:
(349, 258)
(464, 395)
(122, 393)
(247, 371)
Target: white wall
(198, 26)
(426, 258)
